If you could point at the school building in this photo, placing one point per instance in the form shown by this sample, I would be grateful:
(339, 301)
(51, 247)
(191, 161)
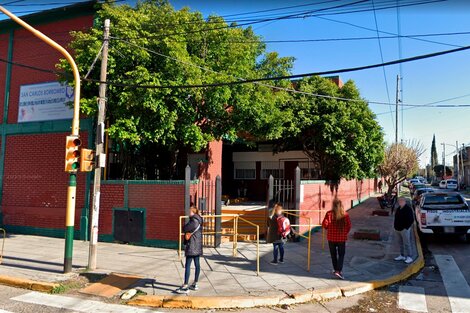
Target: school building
(35, 122)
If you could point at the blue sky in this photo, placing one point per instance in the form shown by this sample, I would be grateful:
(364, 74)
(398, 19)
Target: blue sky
(424, 81)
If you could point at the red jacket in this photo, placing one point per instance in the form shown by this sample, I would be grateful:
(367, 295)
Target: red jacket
(337, 231)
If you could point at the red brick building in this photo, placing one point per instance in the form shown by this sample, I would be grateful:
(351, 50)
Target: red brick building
(33, 183)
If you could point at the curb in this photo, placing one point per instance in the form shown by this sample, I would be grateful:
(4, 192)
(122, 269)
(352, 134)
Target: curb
(281, 298)
(27, 284)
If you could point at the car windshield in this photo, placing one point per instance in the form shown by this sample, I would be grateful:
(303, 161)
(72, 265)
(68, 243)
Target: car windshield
(443, 199)
(452, 182)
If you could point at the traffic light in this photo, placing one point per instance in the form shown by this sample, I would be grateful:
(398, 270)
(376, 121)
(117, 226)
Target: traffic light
(72, 153)
(87, 160)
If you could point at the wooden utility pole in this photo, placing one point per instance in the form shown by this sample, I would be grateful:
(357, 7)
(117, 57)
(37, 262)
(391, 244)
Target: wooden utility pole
(100, 157)
(397, 101)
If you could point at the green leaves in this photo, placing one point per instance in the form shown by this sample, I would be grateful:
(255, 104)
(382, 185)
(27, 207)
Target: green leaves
(342, 137)
(187, 50)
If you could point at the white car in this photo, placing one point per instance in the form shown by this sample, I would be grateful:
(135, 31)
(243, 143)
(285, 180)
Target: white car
(448, 184)
(443, 213)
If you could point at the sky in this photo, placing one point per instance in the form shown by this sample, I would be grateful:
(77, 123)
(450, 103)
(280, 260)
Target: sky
(423, 81)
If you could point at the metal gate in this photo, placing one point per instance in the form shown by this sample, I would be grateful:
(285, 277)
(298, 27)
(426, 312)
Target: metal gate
(208, 199)
(285, 192)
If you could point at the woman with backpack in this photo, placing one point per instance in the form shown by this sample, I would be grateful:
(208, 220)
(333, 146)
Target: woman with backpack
(279, 229)
(193, 249)
(337, 224)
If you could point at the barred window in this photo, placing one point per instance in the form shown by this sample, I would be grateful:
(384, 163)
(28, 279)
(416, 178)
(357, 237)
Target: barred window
(244, 170)
(276, 169)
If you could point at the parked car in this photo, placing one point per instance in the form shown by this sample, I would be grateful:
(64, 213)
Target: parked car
(449, 184)
(415, 187)
(415, 200)
(443, 213)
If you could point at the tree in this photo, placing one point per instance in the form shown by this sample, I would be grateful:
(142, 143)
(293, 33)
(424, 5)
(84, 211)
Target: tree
(342, 138)
(434, 160)
(439, 170)
(153, 44)
(400, 161)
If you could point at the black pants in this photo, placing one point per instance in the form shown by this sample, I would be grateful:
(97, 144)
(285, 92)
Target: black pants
(337, 251)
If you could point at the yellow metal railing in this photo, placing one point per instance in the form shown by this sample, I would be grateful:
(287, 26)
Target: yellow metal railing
(3, 243)
(235, 234)
(313, 225)
(308, 237)
(257, 239)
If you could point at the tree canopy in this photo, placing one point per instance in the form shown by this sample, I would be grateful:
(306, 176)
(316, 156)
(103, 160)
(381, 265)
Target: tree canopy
(400, 161)
(342, 137)
(154, 44)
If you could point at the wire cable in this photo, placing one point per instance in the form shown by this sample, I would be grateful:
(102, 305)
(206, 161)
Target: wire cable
(383, 67)
(328, 72)
(31, 67)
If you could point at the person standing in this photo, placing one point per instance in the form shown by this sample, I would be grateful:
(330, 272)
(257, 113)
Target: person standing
(279, 229)
(193, 249)
(403, 223)
(338, 225)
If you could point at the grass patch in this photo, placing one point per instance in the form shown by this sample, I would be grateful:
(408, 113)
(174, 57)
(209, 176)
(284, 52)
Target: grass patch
(67, 286)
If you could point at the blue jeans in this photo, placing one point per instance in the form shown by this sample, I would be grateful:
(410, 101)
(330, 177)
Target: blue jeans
(278, 246)
(187, 268)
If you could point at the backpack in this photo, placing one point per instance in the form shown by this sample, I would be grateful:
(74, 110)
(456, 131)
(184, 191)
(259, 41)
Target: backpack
(280, 226)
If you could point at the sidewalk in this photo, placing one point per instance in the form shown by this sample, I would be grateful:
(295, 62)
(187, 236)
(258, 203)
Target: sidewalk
(224, 277)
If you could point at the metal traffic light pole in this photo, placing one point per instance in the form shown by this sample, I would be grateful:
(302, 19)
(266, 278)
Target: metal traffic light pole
(72, 188)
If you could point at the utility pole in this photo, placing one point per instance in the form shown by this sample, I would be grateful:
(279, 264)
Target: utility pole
(397, 101)
(462, 173)
(100, 157)
(444, 159)
(457, 171)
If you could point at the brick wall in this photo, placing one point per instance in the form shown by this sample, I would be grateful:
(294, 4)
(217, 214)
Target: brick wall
(319, 196)
(34, 182)
(112, 196)
(164, 204)
(214, 161)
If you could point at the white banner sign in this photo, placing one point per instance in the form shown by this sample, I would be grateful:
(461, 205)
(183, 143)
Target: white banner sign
(45, 102)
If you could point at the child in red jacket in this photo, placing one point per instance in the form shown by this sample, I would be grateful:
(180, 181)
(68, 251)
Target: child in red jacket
(338, 224)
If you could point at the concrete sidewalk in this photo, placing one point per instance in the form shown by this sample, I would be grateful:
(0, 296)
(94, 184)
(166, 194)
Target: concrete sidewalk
(40, 258)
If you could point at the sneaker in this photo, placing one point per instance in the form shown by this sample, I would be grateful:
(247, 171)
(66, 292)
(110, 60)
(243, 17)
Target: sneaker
(339, 275)
(273, 262)
(281, 261)
(400, 258)
(194, 287)
(183, 290)
(408, 260)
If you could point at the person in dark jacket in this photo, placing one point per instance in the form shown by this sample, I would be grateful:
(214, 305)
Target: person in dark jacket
(404, 219)
(279, 228)
(192, 249)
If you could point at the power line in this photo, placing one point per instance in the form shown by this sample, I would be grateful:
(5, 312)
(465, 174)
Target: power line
(385, 32)
(329, 72)
(301, 15)
(382, 60)
(31, 67)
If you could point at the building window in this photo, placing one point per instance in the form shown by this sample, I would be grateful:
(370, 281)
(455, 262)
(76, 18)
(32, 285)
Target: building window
(244, 170)
(308, 171)
(276, 169)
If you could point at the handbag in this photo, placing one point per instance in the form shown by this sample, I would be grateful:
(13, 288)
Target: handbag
(187, 236)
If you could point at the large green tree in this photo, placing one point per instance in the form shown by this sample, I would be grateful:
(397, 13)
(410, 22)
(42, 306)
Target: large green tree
(154, 44)
(341, 137)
